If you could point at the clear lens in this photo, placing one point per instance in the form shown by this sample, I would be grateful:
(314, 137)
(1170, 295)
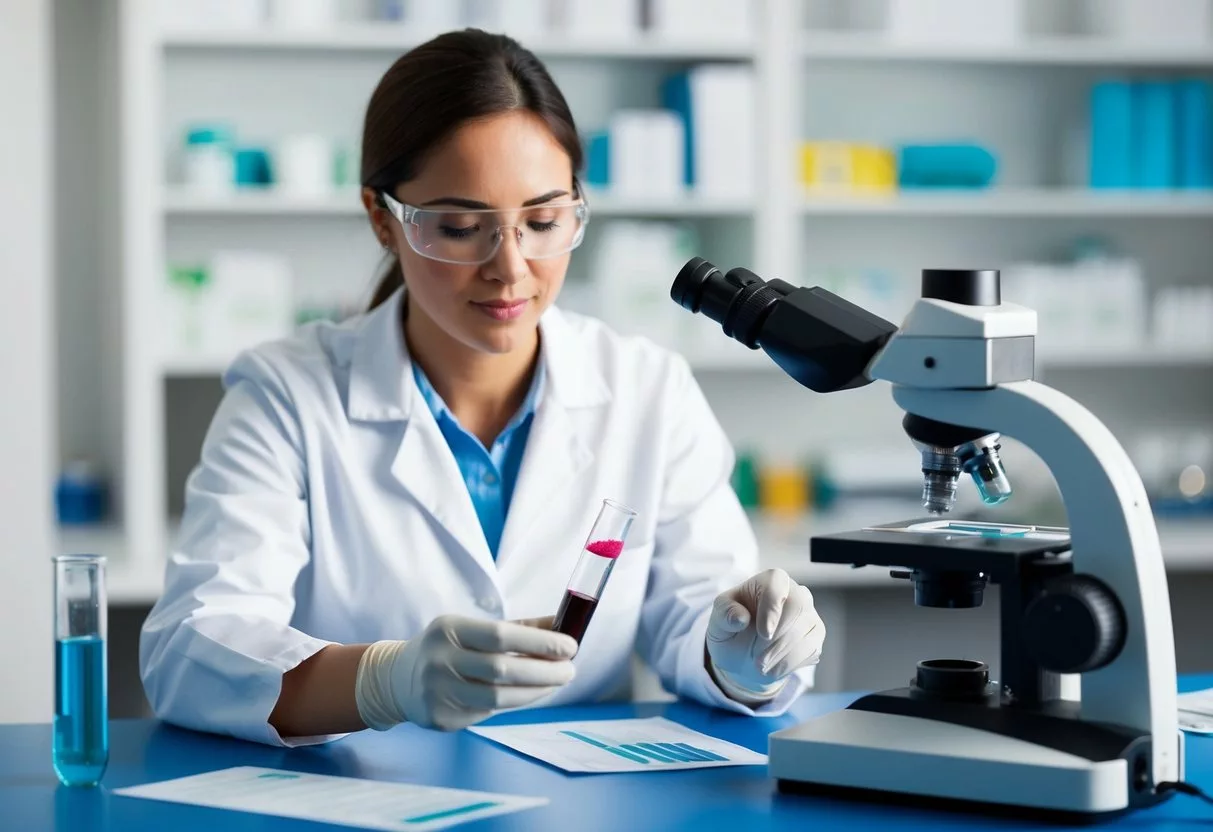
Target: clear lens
(454, 235)
(992, 482)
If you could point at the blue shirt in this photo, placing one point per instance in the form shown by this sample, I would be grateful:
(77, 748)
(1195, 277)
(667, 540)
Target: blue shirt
(489, 473)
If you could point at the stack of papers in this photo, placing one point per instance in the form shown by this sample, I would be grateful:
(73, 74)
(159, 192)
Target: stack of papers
(1196, 711)
(620, 745)
(366, 804)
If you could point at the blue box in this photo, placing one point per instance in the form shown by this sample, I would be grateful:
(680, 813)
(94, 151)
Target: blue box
(598, 160)
(945, 166)
(1155, 140)
(676, 96)
(1194, 101)
(1112, 135)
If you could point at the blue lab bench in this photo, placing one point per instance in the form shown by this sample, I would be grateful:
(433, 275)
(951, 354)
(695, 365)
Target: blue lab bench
(737, 798)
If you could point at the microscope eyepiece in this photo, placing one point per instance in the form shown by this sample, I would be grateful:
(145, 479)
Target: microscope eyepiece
(818, 338)
(689, 285)
(739, 301)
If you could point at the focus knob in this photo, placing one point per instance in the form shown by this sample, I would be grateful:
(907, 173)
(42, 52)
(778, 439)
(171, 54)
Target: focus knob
(1074, 625)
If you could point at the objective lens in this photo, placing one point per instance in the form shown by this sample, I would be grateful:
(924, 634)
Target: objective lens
(940, 471)
(989, 476)
(938, 492)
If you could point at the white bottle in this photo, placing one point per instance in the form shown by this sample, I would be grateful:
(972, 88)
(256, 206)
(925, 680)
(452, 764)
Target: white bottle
(310, 15)
(304, 166)
(207, 164)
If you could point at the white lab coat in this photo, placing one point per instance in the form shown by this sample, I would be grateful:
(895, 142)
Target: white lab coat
(327, 508)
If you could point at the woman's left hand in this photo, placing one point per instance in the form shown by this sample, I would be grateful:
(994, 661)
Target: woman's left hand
(760, 631)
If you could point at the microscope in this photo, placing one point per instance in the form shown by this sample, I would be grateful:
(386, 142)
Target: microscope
(1087, 603)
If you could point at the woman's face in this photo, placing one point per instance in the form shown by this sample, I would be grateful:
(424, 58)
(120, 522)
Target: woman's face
(504, 162)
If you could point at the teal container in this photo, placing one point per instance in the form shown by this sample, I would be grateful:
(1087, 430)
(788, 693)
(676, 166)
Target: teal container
(745, 481)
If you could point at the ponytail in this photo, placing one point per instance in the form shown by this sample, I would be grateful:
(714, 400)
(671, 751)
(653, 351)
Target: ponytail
(392, 280)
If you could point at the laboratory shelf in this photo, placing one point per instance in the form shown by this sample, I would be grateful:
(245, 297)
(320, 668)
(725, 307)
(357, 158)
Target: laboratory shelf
(782, 542)
(1008, 202)
(682, 205)
(202, 365)
(1034, 51)
(269, 202)
(386, 37)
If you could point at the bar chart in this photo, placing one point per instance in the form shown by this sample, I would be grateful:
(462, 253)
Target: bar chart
(622, 745)
(648, 752)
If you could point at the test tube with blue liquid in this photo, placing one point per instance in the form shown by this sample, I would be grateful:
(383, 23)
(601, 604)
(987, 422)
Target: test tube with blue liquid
(80, 746)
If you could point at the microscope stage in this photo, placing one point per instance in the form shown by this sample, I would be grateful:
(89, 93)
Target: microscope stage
(945, 545)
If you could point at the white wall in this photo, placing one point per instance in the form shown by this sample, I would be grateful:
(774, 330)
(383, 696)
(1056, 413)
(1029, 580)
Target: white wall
(81, 210)
(27, 423)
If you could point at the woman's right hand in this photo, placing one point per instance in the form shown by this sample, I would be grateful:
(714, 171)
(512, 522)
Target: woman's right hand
(460, 670)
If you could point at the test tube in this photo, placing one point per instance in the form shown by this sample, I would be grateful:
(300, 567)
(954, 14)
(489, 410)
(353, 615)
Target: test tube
(80, 744)
(602, 548)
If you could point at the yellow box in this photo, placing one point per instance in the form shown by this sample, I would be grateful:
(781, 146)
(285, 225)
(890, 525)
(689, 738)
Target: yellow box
(784, 490)
(847, 167)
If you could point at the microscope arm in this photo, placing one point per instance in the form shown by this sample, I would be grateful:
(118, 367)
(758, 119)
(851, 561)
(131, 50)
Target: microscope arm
(1114, 539)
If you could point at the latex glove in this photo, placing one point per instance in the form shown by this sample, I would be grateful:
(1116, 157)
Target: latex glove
(759, 632)
(460, 670)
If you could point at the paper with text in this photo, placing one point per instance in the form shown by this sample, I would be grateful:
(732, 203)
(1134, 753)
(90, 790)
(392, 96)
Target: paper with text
(364, 804)
(1196, 712)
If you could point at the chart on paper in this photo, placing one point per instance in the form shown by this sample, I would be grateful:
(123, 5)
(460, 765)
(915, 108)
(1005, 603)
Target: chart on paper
(620, 745)
(347, 801)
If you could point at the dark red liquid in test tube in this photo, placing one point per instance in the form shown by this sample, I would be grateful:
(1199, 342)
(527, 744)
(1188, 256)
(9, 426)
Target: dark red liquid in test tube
(602, 550)
(575, 614)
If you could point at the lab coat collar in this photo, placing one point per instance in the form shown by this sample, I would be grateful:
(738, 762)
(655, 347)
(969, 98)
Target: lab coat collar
(381, 386)
(382, 389)
(574, 377)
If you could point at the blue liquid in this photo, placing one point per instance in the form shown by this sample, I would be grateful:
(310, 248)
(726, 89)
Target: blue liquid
(81, 733)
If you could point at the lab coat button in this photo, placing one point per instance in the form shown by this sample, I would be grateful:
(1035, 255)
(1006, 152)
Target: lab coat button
(489, 604)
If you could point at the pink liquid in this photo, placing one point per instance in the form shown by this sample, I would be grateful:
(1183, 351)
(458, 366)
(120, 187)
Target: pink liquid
(574, 614)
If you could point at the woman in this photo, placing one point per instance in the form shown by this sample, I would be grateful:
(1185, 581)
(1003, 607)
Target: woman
(386, 511)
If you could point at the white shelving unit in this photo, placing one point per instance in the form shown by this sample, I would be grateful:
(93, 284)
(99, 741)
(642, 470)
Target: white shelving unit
(1186, 544)
(269, 203)
(1047, 51)
(809, 83)
(1015, 202)
(393, 39)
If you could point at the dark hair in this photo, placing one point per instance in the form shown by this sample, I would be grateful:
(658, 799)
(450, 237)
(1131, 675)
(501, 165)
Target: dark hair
(432, 90)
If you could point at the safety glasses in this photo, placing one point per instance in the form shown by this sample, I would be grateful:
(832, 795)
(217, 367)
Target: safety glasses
(472, 236)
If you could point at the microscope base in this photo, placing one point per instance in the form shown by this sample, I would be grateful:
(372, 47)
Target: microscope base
(892, 757)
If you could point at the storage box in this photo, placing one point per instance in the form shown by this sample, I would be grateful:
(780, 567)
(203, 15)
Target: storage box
(1152, 22)
(955, 22)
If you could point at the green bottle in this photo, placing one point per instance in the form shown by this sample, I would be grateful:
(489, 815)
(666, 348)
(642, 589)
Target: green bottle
(745, 480)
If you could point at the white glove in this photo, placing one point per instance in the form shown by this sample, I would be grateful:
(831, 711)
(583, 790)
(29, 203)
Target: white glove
(761, 631)
(460, 670)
